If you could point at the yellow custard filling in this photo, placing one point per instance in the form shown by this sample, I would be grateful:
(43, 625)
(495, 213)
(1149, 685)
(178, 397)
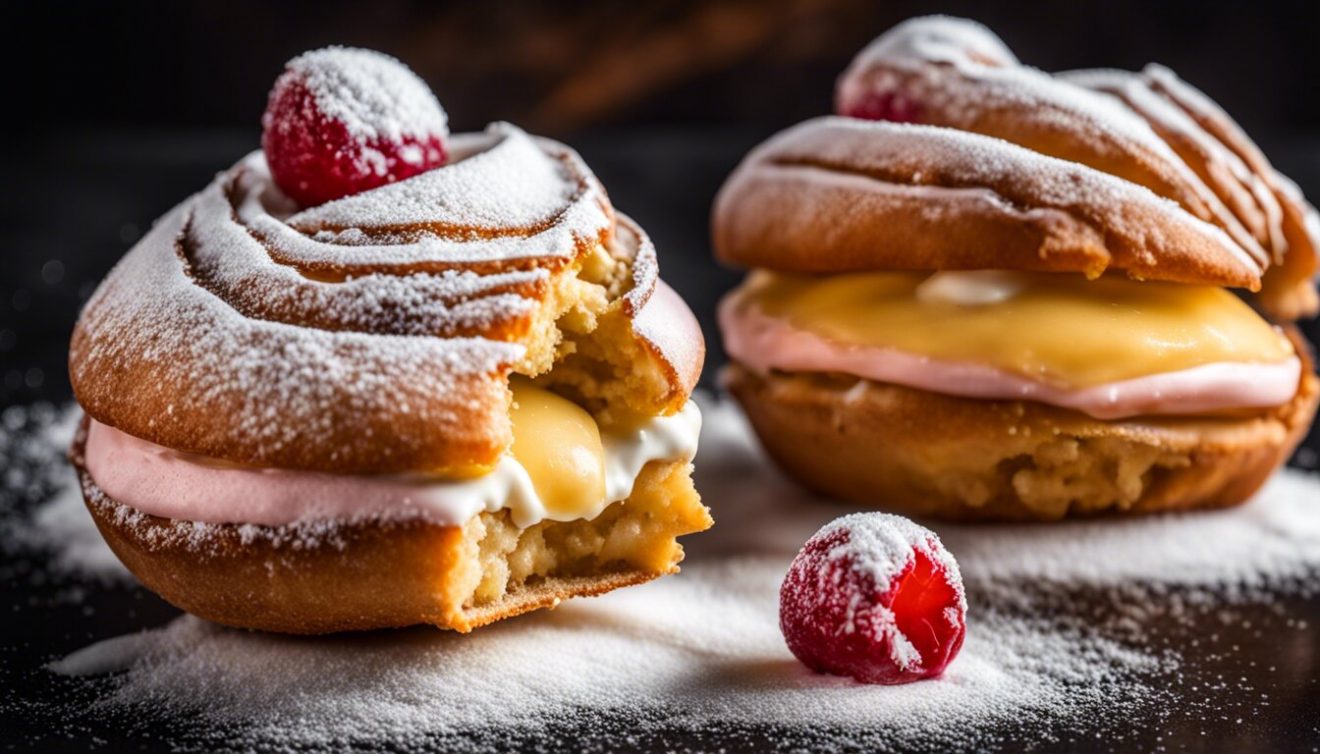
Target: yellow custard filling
(1059, 328)
(559, 445)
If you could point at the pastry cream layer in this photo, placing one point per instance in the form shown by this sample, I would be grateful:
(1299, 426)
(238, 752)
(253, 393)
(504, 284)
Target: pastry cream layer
(1059, 328)
(562, 467)
(558, 444)
(1108, 347)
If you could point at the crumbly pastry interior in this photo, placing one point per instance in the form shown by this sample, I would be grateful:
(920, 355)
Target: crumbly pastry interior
(325, 576)
(929, 454)
(637, 535)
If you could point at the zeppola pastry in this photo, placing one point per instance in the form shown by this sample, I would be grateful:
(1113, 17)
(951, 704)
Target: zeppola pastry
(378, 375)
(988, 292)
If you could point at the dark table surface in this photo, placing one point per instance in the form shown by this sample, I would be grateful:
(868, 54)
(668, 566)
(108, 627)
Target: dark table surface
(74, 202)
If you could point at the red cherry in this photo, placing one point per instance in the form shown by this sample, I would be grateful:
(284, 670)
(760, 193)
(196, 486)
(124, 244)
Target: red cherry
(875, 597)
(341, 121)
(890, 106)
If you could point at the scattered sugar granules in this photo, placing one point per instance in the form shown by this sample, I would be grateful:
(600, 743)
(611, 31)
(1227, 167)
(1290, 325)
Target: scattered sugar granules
(1057, 645)
(33, 441)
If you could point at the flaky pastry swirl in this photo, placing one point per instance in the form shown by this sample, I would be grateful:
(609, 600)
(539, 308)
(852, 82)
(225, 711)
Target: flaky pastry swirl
(376, 333)
(1012, 167)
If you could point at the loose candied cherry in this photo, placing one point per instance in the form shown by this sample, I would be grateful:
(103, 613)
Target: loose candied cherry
(890, 106)
(875, 597)
(340, 121)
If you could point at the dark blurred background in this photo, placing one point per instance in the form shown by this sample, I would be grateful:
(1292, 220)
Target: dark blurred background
(119, 110)
(560, 67)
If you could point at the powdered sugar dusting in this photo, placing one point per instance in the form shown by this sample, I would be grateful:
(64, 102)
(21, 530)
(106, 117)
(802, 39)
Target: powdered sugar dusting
(1214, 119)
(901, 650)
(939, 39)
(500, 181)
(33, 444)
(645, 268)
(881, 546)
(253, 372)
(226, 258)
(980, 73)
(856, 151)
(951, 69)
(700, 654)
(1241, 189)
(398, 310)
(376, 97)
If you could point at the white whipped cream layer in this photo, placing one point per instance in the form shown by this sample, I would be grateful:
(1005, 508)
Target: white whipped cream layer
(170, 484)
(763, 343)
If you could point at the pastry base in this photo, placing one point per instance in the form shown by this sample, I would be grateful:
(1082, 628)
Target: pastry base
(316, 579)
(927, 454)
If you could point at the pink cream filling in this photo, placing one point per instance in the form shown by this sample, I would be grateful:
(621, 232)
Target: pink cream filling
(167, 483)
(763, 343)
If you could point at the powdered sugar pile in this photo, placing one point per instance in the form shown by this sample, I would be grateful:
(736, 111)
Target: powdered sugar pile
(1270, 543)
(33, 441)
(689, 652)
(698, 657)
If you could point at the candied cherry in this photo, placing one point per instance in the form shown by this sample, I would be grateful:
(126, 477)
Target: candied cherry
(340, 121)
(874, 597)
(890, 106)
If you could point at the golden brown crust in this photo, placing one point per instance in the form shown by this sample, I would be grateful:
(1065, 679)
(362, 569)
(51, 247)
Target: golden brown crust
(1288, 290)
(1149, 129)
(1049, 116)
(672, 337)
(923, 453)
(369, 575)
(1212, 144)
(179, 368)
(236, 331)
(662, 323)
(840, 195)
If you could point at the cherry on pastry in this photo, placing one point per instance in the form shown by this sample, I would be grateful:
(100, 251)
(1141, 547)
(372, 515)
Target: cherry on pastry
(875, 597)
(341, 121)
(890, 106)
